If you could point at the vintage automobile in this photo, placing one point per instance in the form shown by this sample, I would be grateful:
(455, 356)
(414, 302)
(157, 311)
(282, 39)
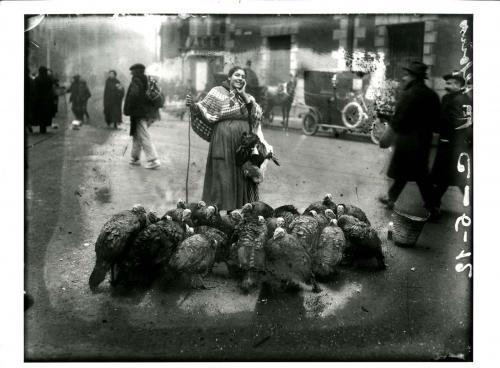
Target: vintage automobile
(336, 103)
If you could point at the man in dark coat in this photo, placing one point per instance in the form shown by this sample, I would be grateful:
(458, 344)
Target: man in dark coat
(113, 97)
(142, 114)
(455, 132)
(79, 96)
(417, 113)
(43, 100)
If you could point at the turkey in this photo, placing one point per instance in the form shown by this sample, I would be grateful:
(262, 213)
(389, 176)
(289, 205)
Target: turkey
(329, 252)
(222, 254)
(287, 264)
(307, 229)
(194, 257)
(180, 215)
(252, 172)
(272, 223)
(260, 208)
(199, 212)
(321, 206)
(349, 209)
(363, 241)
(150, 252)
(323, 218)
(113, 240)
(288, 213)
(252, 149)
(223, 222)
(247, 254)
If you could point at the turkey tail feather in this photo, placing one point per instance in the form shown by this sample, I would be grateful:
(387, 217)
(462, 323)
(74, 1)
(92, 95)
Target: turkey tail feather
(97, 276)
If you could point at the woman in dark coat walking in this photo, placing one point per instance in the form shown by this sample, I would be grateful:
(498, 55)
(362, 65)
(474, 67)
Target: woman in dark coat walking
(43, 96)
(113, 97)
(417, 114)
(226, 112)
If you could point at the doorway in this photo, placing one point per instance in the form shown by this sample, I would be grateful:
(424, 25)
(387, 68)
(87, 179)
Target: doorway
(279, 61)
(406, 43)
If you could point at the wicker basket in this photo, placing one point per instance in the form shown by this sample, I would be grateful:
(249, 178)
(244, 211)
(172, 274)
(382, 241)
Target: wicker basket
(407, 228)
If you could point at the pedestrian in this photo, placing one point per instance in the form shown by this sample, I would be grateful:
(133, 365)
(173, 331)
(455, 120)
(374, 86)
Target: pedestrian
(142, 114)
(55, 102)
(416, 115)
(113, 97)
(225, 114)
(455, 132)
(288, 101)
(252, 81)
(79, 95)
(43, 100)
(29, 87)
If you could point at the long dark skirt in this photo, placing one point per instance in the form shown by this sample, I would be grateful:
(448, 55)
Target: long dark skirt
(225, 184)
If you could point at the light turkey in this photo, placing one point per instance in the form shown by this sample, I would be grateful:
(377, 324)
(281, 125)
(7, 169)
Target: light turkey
(323, 218)
(272, 223)
(150, 252)
(307, 229)
(180, 215)
(247, 254)
(329, 252)
(321, 206)
(194, 257)
(112, 243)
(222, 253)
(288, 265)
(288, 213)
(349, 209)
(363, 240)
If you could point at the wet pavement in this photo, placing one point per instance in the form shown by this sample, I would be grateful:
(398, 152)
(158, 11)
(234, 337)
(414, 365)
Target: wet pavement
(418, 309)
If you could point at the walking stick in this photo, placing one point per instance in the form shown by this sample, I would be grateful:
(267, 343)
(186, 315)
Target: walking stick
(189, 152)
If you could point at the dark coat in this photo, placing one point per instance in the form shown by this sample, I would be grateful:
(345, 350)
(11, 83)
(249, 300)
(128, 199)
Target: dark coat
(136, 104)
(452, 142)
(43, 97)
(417, 113)
(113, 97)
(79, 95)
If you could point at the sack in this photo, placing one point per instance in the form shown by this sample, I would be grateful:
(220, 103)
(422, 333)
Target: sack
(154, 93)
(387, 138)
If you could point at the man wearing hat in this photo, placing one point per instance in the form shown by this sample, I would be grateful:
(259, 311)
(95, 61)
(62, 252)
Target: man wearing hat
(142, 114)
(416, 115)
(455, 132)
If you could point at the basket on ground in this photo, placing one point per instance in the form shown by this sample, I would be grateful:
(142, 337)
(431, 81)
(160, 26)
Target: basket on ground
(407, 228)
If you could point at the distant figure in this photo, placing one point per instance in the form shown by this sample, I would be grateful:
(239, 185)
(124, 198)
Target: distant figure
(416, 115)
(252, 86)
(29, 88)
(113, 97)
(55, 87)
(455, 133)
(43, 100)
(79, 95)
(142, 114)
(288, 101)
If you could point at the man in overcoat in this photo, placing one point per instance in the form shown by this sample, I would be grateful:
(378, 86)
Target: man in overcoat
(142, 114)
(43, 100)
(416, 115)
(455, 133)
(113, 97)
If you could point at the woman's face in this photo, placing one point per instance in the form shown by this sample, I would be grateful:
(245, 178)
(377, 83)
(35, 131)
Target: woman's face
(237, 80)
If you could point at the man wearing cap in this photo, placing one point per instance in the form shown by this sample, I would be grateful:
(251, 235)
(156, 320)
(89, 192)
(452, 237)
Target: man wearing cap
(455, 132)
(416, 115)
(142, 114)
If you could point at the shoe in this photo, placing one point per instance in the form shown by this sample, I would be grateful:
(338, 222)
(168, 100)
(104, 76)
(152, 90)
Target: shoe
(152, 165)
(134, 162)
(389, 204)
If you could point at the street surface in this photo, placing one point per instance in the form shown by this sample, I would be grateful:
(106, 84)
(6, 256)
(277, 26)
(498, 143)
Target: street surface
(418, 309)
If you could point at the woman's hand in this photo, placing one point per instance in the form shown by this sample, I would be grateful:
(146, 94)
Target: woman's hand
(242, 92)
(189, 100)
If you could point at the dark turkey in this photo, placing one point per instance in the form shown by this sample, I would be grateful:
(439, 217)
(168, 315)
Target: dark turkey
(180, 215)
(257, 208)
(287, 264)
(307, 230)
(112, 243)
(247, 255)
(329, 252)
(349, 209)
(256, 152)
(253, 172)
(363, 240)
(324, 217)
(288, 213)
(223, 222)
(194, 257)
(321, 206)
(150, 252)
(199, 212)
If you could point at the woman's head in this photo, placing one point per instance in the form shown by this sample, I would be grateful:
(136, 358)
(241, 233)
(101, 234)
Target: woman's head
(236, 77)
(112, 74)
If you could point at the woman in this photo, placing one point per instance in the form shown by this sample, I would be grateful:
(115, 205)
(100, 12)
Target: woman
(226, 113)
(113, 97)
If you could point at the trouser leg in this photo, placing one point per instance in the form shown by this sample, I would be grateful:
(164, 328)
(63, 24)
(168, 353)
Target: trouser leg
(396, 189)
(145, 141)
(427, 192)
(439, 191)
(136, 147)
